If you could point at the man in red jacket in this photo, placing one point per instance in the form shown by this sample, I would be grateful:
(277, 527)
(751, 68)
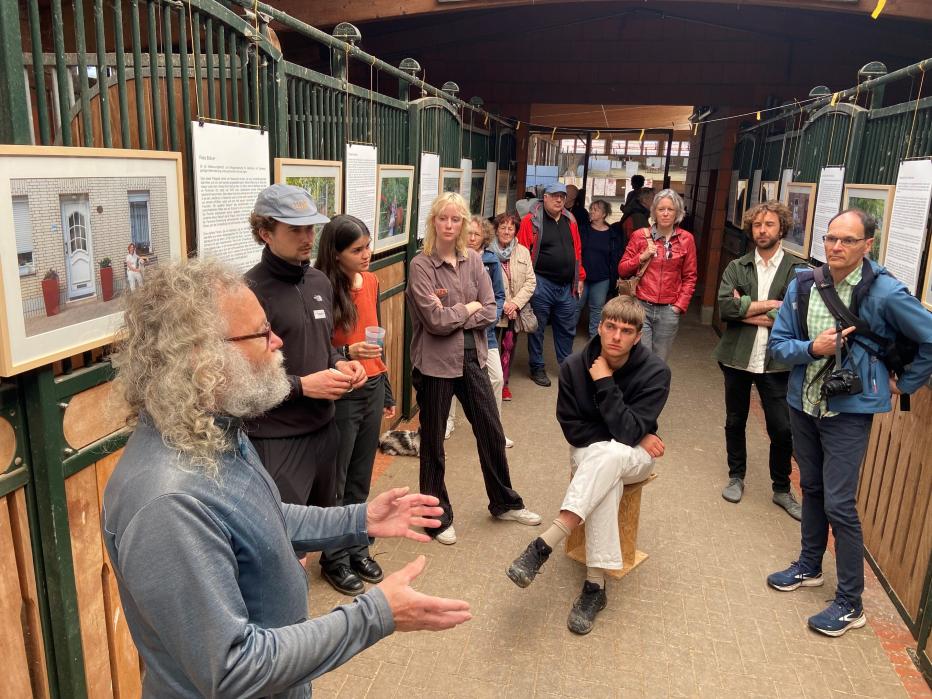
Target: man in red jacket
(551, 234)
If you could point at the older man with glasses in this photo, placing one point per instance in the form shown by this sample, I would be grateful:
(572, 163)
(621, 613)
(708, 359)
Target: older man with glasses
(832, 406)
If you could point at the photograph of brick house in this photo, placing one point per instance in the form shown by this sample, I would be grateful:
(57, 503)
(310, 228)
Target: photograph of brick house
(78, 227)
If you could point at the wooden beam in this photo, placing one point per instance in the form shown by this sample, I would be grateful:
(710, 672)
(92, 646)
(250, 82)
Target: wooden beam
(356, 11)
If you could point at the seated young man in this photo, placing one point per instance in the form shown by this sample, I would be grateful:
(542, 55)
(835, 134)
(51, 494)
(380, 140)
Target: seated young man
(611, 394)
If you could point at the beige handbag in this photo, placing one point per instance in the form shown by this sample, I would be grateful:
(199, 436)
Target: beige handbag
(526, 322)
(628, 287)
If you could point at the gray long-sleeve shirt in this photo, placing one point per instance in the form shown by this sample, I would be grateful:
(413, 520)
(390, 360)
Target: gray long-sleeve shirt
(214, 596)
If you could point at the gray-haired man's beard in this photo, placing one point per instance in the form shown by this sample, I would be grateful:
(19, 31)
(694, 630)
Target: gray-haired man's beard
(253, 390)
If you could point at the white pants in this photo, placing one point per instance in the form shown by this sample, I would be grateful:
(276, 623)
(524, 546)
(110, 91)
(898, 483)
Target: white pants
(493, 367)
(133, 279)
(600, 473)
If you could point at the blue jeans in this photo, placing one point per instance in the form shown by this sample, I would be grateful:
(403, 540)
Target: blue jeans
(660, 325)
(829, 453)
(594, 294)
(552, 303)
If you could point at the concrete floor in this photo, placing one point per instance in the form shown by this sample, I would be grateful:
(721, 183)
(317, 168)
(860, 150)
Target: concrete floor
(696, 619)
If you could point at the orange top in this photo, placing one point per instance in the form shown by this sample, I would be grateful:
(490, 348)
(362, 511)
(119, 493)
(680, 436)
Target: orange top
(366, 299)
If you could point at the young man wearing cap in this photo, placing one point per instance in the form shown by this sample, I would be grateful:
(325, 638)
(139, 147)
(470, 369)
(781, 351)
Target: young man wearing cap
(297, 440)
(551, 234)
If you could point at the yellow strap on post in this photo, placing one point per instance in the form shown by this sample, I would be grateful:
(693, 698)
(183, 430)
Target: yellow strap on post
(597, 134)
(758, 116)
(518, 126)
(877, 10)
(641, 137)
(695, 128)
(834, 99)
(553, 134)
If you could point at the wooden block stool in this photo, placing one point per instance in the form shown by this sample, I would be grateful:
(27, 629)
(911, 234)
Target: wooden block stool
(629, 512)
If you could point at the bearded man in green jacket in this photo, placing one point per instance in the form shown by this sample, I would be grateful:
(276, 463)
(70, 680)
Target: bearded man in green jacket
(749, 297)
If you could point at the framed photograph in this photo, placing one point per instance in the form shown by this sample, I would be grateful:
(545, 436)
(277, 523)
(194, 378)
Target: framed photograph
(450, 179)
(741, 201)
(323, 180)
(877, 201)
(800, 197)
(74, 244)
(477, 193)
(393, 220)
(768, 190)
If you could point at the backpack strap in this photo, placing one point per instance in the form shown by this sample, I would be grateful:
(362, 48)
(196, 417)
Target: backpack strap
(804, 280)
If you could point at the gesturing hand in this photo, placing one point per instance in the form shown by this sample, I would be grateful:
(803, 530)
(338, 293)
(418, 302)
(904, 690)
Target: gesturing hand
(415, 611)
(394, 512)
(824, 344)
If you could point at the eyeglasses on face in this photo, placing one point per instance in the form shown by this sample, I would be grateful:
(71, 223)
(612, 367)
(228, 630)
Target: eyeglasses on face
(831, 241)
(267, 334)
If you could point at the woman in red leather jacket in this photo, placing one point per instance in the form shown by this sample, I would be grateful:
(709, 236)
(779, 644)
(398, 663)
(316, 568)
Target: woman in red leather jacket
(669, 279)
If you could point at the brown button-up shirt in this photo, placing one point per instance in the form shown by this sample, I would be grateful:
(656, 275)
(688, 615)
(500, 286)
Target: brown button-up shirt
(437, 295)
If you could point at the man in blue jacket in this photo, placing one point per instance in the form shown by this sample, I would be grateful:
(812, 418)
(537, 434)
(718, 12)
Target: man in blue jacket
(203, 548)
(830, 416)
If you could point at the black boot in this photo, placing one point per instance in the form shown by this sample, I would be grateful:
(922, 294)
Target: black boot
(590, 602)
(526, 566)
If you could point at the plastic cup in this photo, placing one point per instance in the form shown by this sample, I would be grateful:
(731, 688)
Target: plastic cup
(375, 335)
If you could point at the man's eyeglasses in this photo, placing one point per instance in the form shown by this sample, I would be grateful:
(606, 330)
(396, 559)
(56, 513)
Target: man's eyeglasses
(831, 241)
(267, 334)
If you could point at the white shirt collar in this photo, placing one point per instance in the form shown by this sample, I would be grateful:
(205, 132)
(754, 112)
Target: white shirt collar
(774, 260)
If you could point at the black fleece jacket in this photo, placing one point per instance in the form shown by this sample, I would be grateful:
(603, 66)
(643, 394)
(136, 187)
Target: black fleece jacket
(623, 407)
(298, 301)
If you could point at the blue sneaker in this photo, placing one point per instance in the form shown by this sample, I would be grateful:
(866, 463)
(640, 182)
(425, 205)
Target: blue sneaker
(838, 618)
(794, 576)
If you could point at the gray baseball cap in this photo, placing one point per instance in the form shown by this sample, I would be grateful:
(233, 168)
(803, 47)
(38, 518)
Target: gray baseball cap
(288, 204)
(555, 188)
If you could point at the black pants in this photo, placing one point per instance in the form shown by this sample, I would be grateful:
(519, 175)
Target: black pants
(474, 392)
(772, 391)
(358, 418)
(829, 452)
(303, 467)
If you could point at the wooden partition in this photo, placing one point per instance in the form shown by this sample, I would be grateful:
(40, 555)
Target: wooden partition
(21, 645)
(895, 501)
(391, 286)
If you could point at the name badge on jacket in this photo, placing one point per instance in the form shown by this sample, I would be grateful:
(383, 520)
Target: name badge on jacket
(320, 314)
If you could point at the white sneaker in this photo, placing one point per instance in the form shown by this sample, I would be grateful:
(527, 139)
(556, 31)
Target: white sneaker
(447, 536)
(449, 431)
(509, 443)
(525, 516)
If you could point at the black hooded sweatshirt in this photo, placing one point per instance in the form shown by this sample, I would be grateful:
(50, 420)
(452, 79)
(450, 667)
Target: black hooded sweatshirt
(298, 301)
(623, 407)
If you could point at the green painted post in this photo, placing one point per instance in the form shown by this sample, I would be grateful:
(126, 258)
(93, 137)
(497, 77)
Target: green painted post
(61, 70)
(38, 71)
(44, 420)
(103, 92)
(14, 112)
(169, 58)
(154, 81)
(210, 111)
(120, 49)
(142, 123)
(87, 123)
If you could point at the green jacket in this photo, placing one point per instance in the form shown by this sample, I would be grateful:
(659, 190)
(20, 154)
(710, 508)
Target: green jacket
(734, 349)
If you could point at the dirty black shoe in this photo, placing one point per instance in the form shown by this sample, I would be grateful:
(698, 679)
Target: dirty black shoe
(539, 376)
(590, 602)
(526, 566)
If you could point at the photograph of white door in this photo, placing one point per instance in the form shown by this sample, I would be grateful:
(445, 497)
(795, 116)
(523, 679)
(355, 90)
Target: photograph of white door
(76, 225)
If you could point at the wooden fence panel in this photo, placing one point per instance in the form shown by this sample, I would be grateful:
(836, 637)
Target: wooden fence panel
(21, 646)
(895, 499)
(393, 320)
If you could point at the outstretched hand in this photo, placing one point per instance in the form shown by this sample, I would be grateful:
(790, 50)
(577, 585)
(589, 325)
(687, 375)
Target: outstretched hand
(415, 611)
(394, 512)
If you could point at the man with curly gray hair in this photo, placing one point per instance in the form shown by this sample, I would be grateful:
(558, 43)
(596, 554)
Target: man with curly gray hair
(203, 548)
